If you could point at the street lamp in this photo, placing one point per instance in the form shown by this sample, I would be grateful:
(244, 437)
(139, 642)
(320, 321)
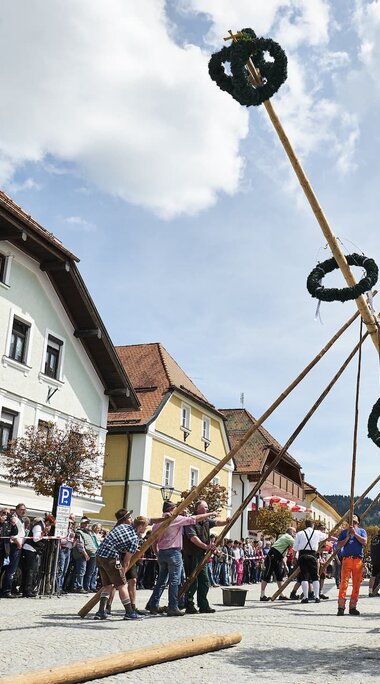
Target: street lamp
(166, 493)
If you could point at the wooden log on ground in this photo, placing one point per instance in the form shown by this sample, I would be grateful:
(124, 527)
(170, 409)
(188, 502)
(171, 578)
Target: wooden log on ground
(105, 666)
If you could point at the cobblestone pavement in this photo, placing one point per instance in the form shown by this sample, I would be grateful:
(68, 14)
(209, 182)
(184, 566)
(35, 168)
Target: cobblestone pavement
(281, 642)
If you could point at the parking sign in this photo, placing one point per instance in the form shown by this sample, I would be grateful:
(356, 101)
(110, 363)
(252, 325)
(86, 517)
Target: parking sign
(65, 495)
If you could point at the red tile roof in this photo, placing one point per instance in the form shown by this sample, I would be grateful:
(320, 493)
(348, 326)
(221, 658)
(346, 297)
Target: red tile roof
(153, 373)
(252, 456)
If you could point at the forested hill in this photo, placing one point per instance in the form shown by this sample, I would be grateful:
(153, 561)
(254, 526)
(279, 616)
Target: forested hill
(341, 504)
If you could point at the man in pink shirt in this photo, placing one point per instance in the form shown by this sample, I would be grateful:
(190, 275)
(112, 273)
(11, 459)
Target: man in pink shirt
(169, 556)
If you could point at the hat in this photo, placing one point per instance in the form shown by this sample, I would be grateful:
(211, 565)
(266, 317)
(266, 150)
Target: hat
(355, 518)
(168, 506)
(85, 519)
(123, 514)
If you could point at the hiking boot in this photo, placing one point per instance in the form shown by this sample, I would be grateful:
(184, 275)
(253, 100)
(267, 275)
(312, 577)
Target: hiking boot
(323, 597)
(175, 613)
(283, 598)
(207, 610)
(317, 600)
(132, 616)
(340, 611)
(101, 615)
(264, 598)
(293, 596)
(354, 611)
(191, 609)
(305, 600)
(141, 611)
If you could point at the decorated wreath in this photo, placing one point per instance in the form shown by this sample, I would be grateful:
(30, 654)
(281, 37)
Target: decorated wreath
(344, 294)
(373, 432)
(248, 46)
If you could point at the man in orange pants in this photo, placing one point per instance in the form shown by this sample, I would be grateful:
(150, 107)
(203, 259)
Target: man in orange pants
(352, 542)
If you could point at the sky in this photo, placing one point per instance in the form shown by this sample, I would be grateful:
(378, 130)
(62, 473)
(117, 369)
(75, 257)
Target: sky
(181, 204)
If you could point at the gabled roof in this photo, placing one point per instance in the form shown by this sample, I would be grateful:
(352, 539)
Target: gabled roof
(253, 454)
(18, 228)
(155, 375)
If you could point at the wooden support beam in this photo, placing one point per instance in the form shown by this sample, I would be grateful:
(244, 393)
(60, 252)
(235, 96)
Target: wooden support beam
(90, 332)
(105, 666)
(344, 517)
(119, 391)
(55, 265)
(195, 492)
(271, 467)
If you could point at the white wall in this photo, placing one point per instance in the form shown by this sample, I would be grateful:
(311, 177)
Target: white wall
(24, 388)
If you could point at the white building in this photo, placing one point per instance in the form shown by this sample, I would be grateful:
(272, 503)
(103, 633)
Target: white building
(57, 362)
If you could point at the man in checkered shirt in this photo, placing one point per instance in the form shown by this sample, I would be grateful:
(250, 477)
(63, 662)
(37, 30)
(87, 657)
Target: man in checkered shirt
(112, 558)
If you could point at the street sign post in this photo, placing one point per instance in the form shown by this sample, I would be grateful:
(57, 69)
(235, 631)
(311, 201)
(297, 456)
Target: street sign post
(63, 511)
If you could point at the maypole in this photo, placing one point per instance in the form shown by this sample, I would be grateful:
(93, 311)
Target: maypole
(368, 317)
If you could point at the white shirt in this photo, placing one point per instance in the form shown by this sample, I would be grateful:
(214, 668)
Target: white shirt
(308, 539)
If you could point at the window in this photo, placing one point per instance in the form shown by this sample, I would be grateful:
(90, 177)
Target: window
(168, 473)
(19, 341)
(7, 425)
(53, 357)
(194, 477)
(205, 428)
(185, 417)
(3, 263)
(215, 481)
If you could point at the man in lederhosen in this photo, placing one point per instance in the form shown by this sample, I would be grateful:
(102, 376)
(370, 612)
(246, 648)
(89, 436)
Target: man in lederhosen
(306, 544)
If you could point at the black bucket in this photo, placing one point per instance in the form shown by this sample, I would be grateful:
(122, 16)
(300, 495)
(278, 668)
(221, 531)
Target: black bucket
(234, 596)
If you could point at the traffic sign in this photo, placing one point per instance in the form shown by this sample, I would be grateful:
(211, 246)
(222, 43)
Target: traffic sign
(65, 495)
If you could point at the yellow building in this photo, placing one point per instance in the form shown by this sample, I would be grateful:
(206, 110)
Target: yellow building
(321, 508)
(174, 439)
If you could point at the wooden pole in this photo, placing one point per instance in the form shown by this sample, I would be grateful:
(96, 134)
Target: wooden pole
(195, 492)
(295, 573)
(272, 466)
(335, 552)
(356, 425)
(105, 666)
(361, 302)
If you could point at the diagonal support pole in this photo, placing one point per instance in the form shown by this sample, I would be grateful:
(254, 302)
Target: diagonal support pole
(274, 463)
(331, 533)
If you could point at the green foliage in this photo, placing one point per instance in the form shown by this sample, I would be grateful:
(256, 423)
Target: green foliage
(341, 504)
(273, 521)
(215, 495)
(48, 457)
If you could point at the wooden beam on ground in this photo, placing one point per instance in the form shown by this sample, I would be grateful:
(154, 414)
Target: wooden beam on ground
(332, 532)
(361, 302)
(272, 466)
(87, 670)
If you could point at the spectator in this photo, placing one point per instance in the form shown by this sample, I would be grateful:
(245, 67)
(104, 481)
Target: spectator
(84, 557)
(64, 555)
(8, 528)
(14, 553)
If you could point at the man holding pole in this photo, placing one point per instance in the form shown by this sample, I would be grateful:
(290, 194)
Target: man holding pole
(352, 542)
(275, 561)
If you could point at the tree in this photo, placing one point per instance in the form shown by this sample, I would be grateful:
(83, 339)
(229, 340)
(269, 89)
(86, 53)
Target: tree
(273, 521)
(215, 495)
(48, 457)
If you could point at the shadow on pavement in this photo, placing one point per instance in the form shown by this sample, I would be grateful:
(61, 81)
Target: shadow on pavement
(326, 662)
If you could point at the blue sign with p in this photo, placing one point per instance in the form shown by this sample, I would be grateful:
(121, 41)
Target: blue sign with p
(65, 495)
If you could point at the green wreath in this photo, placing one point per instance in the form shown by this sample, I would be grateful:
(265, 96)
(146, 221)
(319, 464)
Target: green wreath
(273, 74)
(346, 293)
(373, 432)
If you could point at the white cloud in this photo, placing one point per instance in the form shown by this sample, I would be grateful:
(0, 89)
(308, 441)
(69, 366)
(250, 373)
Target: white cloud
(27, 184)
(106, 88)
(80, 223)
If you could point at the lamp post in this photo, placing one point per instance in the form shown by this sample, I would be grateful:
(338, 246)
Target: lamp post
(166, 493)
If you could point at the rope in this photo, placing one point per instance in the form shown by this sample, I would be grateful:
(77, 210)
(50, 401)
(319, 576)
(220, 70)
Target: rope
(356, 423)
